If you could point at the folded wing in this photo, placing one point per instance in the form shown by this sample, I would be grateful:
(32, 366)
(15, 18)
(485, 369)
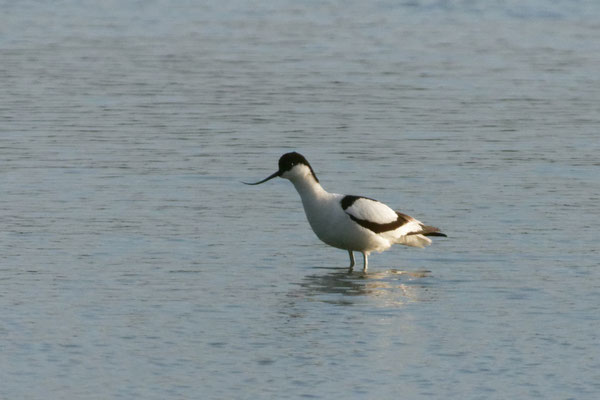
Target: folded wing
(377, 217)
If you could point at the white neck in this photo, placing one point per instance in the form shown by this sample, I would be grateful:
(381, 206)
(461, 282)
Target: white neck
(309, 189)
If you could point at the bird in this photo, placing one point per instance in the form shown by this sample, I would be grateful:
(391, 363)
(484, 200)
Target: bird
(349, 222)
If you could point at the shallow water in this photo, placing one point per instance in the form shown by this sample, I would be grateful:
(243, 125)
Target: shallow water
(135, 264)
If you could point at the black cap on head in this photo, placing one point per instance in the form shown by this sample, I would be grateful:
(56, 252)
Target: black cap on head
(289, 160)
(286, 163)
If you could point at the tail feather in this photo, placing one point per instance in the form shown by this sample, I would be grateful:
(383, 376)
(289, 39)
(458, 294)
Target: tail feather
(414, 240)
(418, 236)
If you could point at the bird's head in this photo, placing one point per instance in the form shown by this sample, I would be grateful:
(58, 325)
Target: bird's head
(292, 166)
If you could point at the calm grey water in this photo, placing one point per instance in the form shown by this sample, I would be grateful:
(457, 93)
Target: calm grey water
(134, 264)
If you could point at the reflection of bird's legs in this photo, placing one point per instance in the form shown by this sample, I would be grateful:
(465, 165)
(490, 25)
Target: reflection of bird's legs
(366, 263)
(351, 259)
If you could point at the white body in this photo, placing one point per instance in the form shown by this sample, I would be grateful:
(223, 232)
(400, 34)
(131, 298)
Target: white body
(334, 226)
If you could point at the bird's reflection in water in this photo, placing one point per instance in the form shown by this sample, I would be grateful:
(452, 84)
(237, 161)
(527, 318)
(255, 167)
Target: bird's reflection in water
(390, 288)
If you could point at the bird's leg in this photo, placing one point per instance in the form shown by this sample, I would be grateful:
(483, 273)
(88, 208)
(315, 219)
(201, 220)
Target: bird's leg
(351, 260)
(366, 262)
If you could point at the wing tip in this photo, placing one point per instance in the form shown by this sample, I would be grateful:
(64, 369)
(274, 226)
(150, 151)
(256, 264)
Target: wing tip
(440, 234)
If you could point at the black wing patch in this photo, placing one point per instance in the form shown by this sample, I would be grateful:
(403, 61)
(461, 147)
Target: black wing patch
(401, 219)
(379, 228)
(348, 200)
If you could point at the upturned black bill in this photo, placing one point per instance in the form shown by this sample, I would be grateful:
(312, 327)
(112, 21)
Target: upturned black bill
(275, 175)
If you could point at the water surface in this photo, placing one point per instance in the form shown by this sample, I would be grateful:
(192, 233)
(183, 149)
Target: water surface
(134, 263)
